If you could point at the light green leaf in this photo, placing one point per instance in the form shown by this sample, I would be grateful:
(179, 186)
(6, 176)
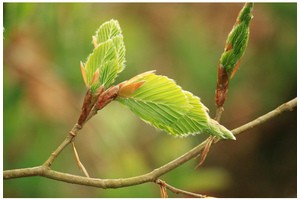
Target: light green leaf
(159, 101)
(108, 30)
(108, 55)
(103, 57)
(192, 122)
(112, 30)
(164, 105)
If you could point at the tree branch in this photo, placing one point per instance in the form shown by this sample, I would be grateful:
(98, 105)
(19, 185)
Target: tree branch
(288, 106)
(68, 140)
(152, 176)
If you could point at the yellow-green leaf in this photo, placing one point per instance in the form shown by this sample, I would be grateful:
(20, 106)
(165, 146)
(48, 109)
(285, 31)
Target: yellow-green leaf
(108, 56)
(164, 105)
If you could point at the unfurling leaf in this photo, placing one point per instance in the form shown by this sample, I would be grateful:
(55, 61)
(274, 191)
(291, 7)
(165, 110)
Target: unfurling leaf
(235, 46)
(108, 56)
(164, 105)
(83, 73)
(156, 99)
(237, 40)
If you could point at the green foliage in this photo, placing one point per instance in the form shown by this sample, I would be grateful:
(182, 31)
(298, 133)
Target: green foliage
(108, 56)
(237, 40)
(155, 99)
(163, 104)
(112, 30)
(64, 23)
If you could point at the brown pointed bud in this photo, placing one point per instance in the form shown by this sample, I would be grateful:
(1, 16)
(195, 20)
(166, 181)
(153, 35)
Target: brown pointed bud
(95, 43)
(106, 97)
(83, 73)
(99, 90)
(222, 86)
(86, 107)
(127, 90)
(95, 77)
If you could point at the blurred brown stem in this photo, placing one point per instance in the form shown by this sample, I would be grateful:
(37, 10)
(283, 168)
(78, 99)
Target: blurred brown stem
(205, 150)
(45, 171)
(219, 113)
(79, 163)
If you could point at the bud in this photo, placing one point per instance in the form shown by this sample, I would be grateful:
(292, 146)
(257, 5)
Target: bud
(86, 107)
(127, 90)
(234, 49)
(237, 40)
(106, 97)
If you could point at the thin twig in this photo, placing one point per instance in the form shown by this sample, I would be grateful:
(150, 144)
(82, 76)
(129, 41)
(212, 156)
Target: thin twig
(179, 191)
(163, 188)
(80, 165)
(219, 112)
(149, 177)
(205, 151)
(288, 106)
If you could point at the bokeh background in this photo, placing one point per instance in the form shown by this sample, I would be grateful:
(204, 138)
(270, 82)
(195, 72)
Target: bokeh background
(43, 92)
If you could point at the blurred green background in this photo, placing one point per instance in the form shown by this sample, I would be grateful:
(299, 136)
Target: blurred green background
(43, 92)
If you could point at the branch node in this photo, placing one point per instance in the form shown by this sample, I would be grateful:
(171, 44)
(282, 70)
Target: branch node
(72, 133)
(163, 188)
(75, 130)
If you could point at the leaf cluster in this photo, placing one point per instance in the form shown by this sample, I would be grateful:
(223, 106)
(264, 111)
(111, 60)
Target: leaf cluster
(156, 99)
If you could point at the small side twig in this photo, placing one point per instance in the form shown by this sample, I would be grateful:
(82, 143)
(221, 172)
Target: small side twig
(205, 150)
(178, 191)
(163, 188)
(80, 165)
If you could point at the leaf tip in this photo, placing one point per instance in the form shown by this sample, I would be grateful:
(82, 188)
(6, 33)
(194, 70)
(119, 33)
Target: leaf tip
(95, 78)
(220, 131)
(83, 73)
(95, 43)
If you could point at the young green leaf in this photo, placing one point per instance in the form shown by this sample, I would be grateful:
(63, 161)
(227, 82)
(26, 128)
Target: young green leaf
(237, 40)
(112, 30)
(108, 56)
(108, 30)
(104, 58)
(159, 101)
(194, 121)
(163, 104)
(155, 99)
(235, 46)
